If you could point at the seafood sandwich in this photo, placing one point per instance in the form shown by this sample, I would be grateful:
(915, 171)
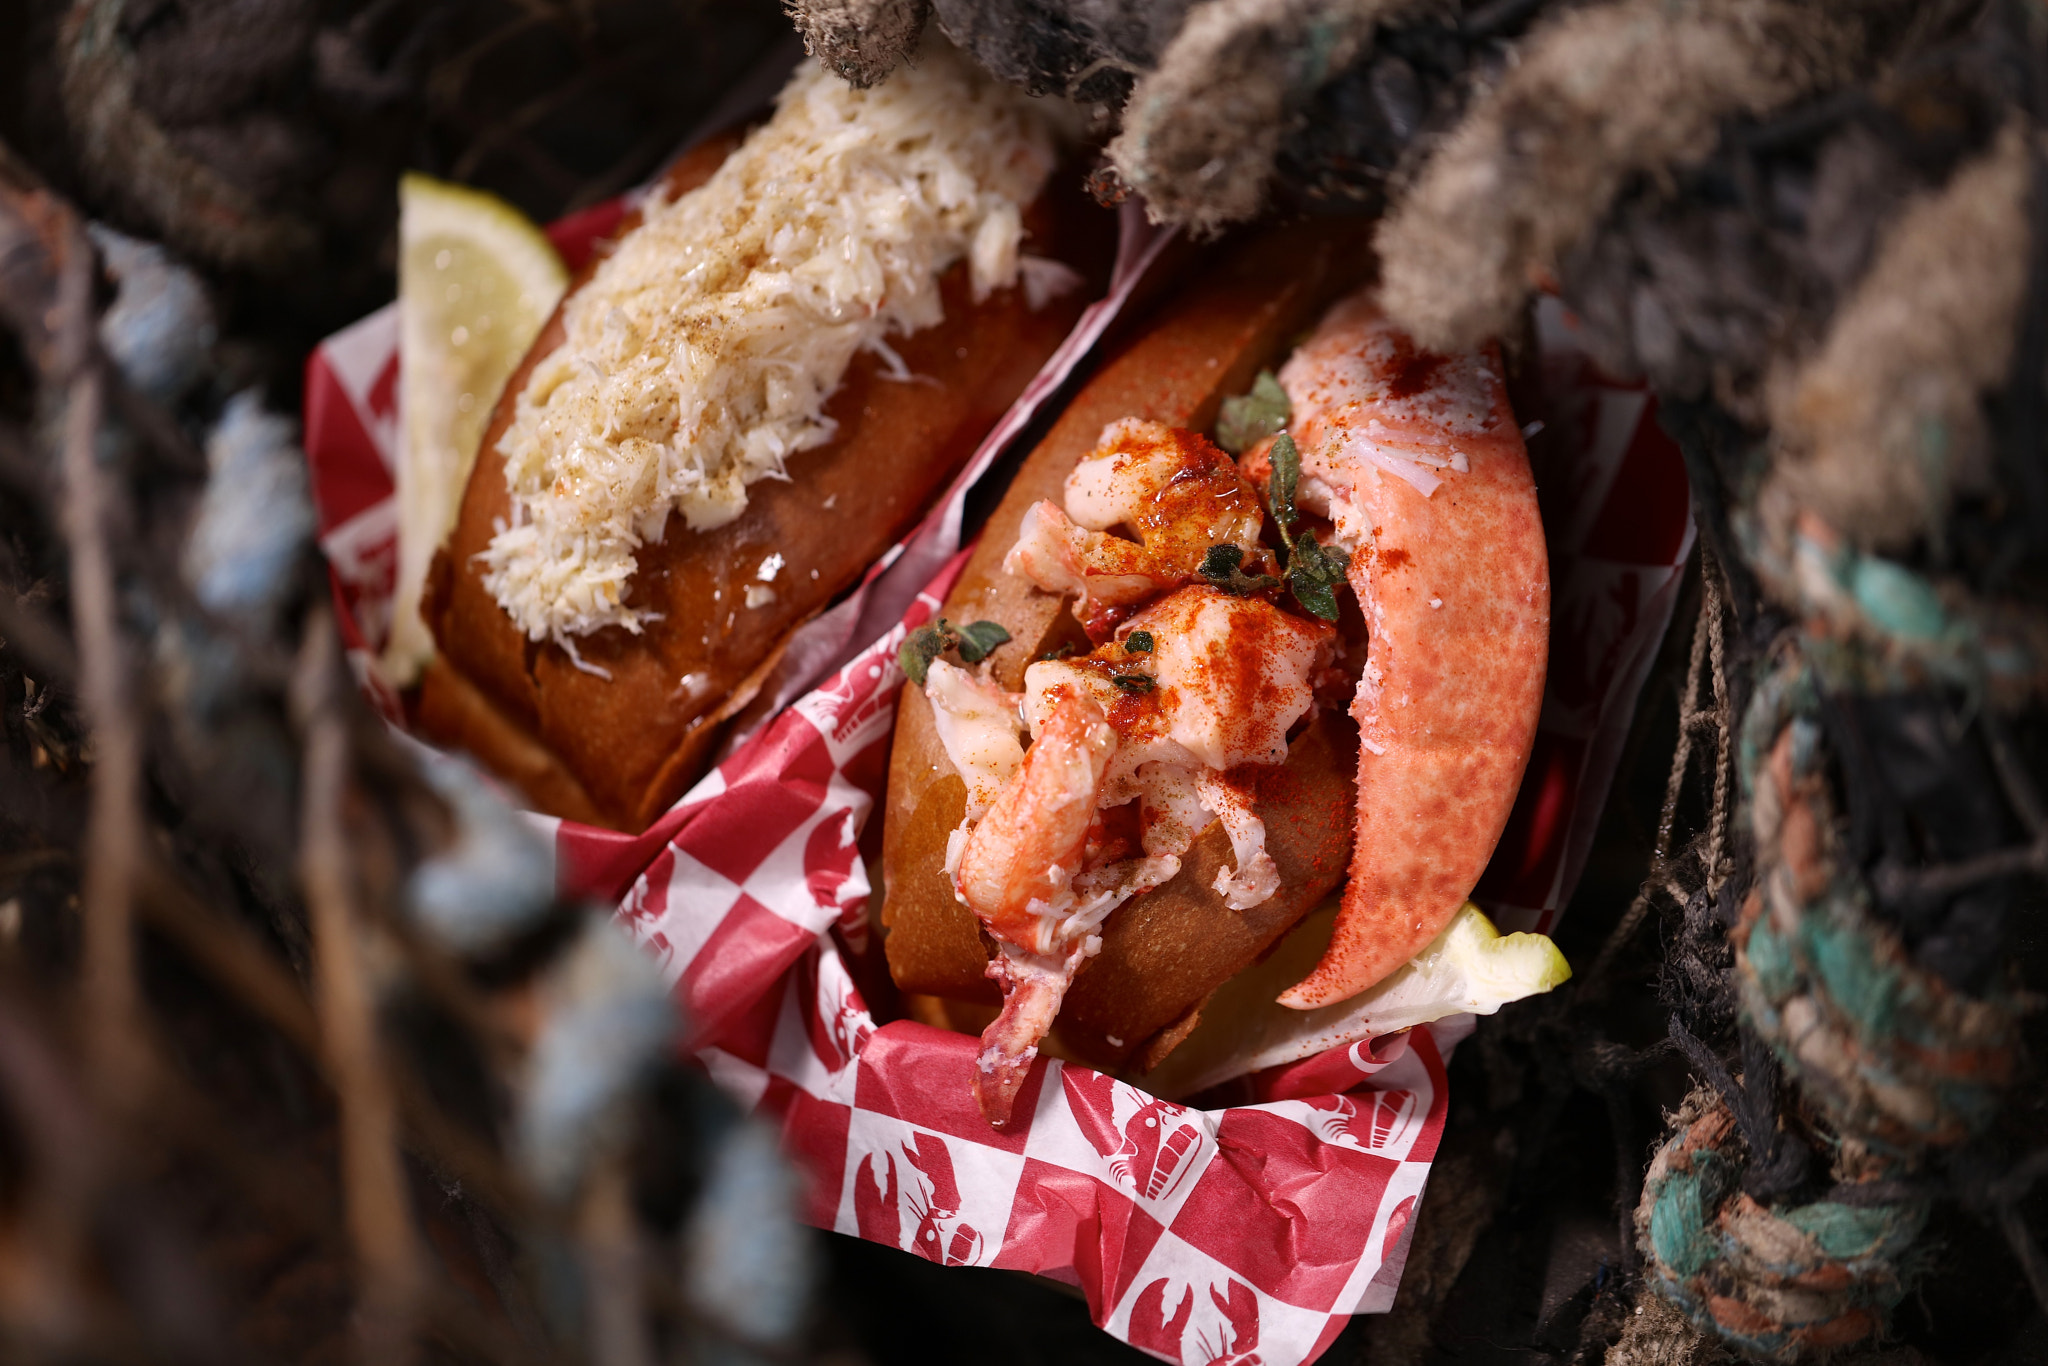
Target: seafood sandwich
(1109, 815)
(756, 387)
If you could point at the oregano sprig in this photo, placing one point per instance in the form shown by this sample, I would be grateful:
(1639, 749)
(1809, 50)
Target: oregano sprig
(1314, 574)
(975, 641)
(1250, 418)
(979, 639)
(1280, 488)
(1223, 567)
(1313, 571)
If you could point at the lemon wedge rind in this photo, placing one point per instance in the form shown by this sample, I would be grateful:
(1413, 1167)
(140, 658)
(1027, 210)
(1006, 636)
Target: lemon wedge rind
(477, 281)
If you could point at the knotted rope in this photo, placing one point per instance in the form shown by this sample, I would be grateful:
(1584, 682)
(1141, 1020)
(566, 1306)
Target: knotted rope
(1783, 1283)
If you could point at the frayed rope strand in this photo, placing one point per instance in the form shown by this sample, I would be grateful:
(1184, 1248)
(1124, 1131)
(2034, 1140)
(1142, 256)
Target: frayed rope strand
(1708, 645)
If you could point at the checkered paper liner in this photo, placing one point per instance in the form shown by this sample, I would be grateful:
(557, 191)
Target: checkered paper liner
(1243, 1234)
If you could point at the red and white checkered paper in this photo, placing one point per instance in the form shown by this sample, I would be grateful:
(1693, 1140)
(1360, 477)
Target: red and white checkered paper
(1198, 1236)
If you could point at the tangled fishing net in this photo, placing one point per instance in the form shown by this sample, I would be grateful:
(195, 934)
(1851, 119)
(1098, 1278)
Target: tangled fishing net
(1817, 231)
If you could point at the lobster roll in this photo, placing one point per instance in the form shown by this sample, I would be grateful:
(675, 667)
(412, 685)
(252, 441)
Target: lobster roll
(1213, 661)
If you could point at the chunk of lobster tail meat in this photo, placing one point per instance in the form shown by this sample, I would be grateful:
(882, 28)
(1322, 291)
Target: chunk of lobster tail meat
(1220, 682)
(1175, 492)
(1017, 872)
(1425, 468)
(1225, 679)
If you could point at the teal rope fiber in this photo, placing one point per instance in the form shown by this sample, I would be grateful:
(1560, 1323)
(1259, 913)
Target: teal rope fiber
(1783, 1284)
(1889, 1053)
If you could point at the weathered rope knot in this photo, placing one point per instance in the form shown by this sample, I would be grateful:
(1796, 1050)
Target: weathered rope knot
(1783, 1284)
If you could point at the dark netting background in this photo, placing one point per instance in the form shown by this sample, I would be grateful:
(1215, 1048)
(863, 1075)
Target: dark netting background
(1790, 1105)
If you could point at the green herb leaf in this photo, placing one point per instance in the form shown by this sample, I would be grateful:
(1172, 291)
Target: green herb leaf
(1138, 643)
(1280, 491)
(1250, 418)
(1313, 575)
(1133, 683)
(1222, 568)
(1064, 649)
(978, 640)
(924, 645)
(1221, 561)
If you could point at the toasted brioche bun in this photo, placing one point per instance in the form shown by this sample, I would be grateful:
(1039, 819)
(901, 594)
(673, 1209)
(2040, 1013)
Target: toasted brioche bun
(618, 751)
(1167, 950)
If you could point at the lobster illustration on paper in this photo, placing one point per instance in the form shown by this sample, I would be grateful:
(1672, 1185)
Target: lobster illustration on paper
(1371, 1122)
(381, 402)
(851, 1025)
(827, 703)
(838, 1023)
(831, 861)
(849, 708)
(1226, 1336)
(938, 1233)
(1153, 1144)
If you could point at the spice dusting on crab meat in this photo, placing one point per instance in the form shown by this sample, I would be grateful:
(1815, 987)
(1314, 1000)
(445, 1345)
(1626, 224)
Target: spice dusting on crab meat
(1177, 493)
(1224, 681)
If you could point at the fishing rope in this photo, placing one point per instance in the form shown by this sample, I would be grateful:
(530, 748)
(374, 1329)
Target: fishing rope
(1890, 1054)
(1782, 1283)
(1891, 1064)
(1724, 731)
(1708, 647)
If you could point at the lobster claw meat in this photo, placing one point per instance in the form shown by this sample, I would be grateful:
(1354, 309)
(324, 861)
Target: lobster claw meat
(1420, 465)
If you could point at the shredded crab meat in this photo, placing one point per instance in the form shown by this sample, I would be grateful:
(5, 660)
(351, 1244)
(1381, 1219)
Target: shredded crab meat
(700, 356)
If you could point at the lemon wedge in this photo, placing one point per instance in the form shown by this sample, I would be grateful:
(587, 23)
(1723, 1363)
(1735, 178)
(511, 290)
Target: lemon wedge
(476, 283)
(1470, 967)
